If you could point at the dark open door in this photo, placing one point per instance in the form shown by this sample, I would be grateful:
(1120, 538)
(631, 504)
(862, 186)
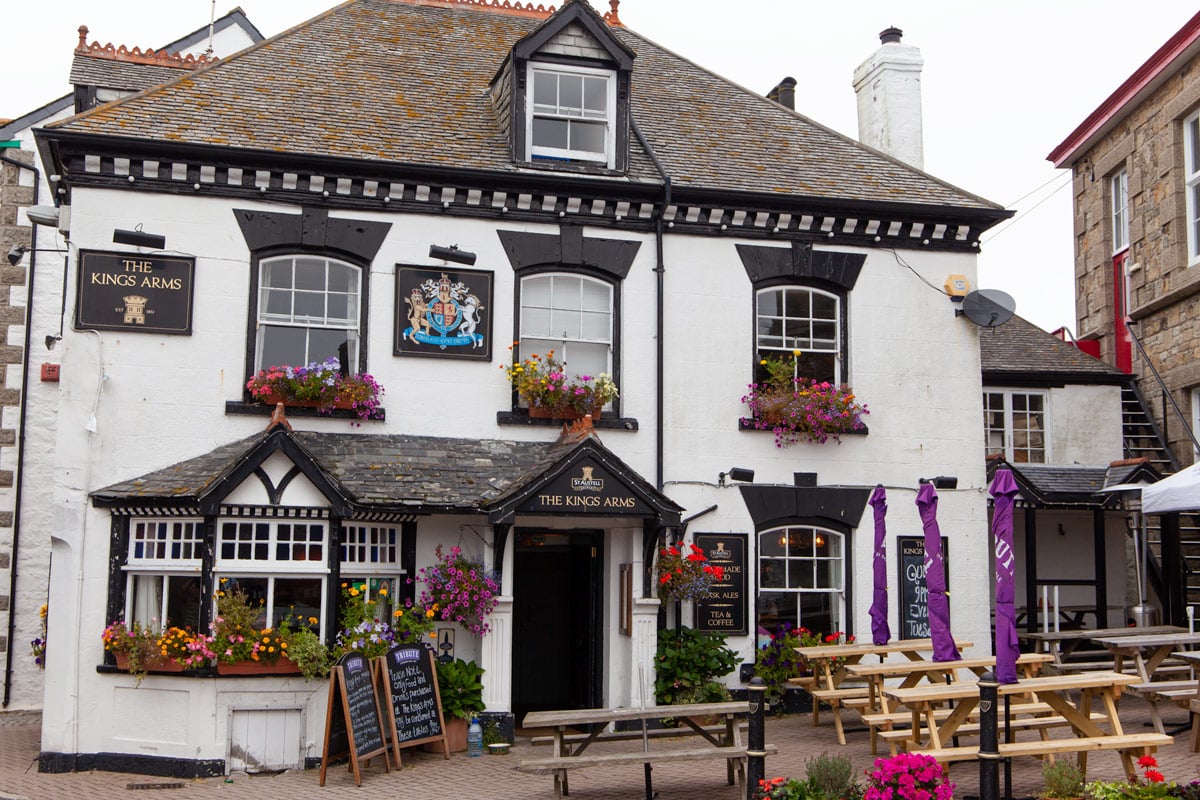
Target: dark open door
(557, 601)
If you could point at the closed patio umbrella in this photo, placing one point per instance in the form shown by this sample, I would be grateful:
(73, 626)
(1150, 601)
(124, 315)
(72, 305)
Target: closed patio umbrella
(880, 632)
(1004, 490)
(944, 648)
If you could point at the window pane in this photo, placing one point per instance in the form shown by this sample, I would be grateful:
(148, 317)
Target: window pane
(824, 307)
(824, 334)
(586, 359)
(277, 273)
(146, 602)
(797, 303)
(595, 99)
(567, 292)
(325, 344)
(776, 608)
(342, 278)
(596, 326)
(535, 322)
(768, 303)
(565, 324)
(277, 303)
(769, 544)
(545, 91)
(536, 292)
(297, 600)
(183, 602)
(588, 136)
(281, 346)
(597, 296)
(819, 611)
(1193, 149)
(550, 133)
(310, 274)
(800, 575)
(799, 333)
(256, 591)
(310, 307)
(570, 92)
(772, 573)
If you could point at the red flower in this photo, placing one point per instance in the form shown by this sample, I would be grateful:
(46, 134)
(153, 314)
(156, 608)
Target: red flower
(1147, 761)
(1154, 776)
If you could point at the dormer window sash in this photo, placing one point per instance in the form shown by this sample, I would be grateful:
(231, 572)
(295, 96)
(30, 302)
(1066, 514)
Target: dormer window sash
(571, 113)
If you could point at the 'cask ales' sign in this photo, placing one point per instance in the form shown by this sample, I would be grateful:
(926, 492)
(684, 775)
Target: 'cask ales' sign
(724, 610)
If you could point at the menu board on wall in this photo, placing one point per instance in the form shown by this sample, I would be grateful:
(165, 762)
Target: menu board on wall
(724, 610)
(914, 594)
(352, 716)
(410, 689)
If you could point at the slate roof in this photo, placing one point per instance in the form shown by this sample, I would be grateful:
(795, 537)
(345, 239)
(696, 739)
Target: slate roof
(1049, 485)
(1020, 349)
(407, 81)
(90, 70)
(393, 470)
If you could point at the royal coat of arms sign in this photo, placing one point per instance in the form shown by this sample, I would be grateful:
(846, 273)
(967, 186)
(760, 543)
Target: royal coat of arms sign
(443, 313)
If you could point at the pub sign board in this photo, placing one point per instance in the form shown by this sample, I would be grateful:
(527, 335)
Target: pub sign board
(443, 313)
(135, 292)
(586, 487)
(914, 594)
(724, 610)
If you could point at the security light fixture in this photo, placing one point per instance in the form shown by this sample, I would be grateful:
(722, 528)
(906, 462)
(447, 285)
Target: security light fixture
(43, 215)
(740, 474)
(139, 238)
(942, 482)
(52, 340)
(451, 253)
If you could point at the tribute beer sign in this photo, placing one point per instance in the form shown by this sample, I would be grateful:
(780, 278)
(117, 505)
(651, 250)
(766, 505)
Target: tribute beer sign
(134, 292)
(724, 609)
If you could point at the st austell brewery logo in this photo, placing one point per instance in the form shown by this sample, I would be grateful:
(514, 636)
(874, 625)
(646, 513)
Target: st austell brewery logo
(586, 483)
(444, 313)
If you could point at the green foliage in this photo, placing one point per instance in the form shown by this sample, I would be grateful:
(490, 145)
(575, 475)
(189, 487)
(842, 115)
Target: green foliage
(1064, 780)
(492, 734)
(831, 778)
(309, 653)
(460, 684)
(688, 664)
(777, 661)
(784, 789)
(1151, 785)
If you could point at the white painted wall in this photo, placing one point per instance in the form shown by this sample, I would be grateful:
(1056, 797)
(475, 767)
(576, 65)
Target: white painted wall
(1085, 425)
(159, 400)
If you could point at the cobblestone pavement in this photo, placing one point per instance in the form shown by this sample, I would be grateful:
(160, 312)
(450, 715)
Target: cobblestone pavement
(496, 778)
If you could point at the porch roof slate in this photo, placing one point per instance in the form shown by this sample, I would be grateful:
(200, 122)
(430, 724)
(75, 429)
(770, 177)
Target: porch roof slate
(358, 82)
(1018, 348)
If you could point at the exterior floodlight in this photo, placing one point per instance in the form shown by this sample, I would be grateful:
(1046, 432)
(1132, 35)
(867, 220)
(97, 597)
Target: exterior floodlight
(140, 239)
(451, 253)
(942, 482)
(740, 474)
(43, 215)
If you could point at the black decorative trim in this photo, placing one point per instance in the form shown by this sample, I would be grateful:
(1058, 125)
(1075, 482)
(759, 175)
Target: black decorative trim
(275, 512)
(52, 763)
(570, 248)
(837, 508)
(766, 265)
(275, 493)
(311, 229)
(262, 410)
(521, 417)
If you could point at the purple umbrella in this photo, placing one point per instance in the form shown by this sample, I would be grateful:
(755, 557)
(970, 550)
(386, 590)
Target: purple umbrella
(944, 648)
(880, 632)
(1003, 489)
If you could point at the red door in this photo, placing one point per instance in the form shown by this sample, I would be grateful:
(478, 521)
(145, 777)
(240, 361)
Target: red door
(1123, 348)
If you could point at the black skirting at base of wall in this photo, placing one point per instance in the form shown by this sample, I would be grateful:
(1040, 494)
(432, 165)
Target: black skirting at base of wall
(140, 765)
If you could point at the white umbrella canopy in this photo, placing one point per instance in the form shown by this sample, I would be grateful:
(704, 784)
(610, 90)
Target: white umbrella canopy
(1179, 492)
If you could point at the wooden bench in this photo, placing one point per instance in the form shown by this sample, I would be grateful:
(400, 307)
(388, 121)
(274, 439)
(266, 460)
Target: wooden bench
(896, 738)
(835, 698)
(1155, 692)
(735, 758)
(632, 735)
(1194, 706)
(1128, 744)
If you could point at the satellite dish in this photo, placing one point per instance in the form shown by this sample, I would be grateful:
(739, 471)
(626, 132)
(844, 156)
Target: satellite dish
(988, 308)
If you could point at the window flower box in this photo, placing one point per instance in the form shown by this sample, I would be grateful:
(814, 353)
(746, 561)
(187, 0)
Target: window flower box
(322, 386)
(799, 409)
(543, 383)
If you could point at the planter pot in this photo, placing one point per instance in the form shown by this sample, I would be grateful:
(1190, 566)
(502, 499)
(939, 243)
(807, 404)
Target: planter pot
(283, 666)
(545, 412)
(456, 737)
(155, 664)
(272, 399)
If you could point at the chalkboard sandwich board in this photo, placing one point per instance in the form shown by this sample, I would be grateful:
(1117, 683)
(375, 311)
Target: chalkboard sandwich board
(352, 716)
(914, 593)
(411, 699)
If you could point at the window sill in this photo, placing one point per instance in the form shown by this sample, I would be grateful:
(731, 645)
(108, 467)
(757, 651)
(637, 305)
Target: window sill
(521, 417)
(263, 410)
(746, 425)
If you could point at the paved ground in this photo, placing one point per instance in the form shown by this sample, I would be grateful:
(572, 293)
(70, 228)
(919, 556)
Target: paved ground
(495, 777)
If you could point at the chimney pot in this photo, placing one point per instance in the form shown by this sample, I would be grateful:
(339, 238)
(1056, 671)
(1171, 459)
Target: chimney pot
(784, 93)
(890, 35)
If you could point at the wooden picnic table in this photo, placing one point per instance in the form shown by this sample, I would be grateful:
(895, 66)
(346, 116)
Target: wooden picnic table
(827, 663)
(1192, 703)
(568, 748)
(1061, 644)
(1048, 690)
(1148, 652)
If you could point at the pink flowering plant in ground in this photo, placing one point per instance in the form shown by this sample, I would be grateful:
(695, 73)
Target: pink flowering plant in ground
(461, 590)
(908, 776)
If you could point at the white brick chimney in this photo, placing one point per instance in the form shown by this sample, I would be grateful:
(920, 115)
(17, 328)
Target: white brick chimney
(888, 85)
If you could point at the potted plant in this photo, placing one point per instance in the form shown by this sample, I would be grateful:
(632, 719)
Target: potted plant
(687, 666)
(908, 776)
(799, 409)
(318, 385)
(460, 590)
(1064, 780)
(685, 574)
(134, 646)
(460, 685)
(543, 384)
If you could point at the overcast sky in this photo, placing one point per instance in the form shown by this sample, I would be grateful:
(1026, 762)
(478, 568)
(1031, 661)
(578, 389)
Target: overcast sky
(1003, 84)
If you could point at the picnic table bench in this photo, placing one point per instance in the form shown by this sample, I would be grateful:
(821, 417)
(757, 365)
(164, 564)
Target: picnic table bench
(724, 742)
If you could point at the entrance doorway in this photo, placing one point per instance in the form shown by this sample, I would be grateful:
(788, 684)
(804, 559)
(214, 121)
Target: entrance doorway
(557, 610)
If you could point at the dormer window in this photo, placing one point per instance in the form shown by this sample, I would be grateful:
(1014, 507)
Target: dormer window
(571, 113)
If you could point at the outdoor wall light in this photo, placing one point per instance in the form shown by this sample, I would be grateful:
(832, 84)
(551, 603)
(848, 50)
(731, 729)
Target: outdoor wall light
(139, 238)
(18, 251)
(740, 474)
(451, 253)
(942, 482)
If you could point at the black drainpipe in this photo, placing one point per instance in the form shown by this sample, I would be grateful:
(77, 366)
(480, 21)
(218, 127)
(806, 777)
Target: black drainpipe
(20, 476)
(660, 269)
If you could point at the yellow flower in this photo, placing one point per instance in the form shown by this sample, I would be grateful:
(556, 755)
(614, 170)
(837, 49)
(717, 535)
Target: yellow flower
(354, 592)
(313, 620)
(429, 614)
(399, 612)
(283, 645)
(762, 363)
(796, 353)
(383, 592)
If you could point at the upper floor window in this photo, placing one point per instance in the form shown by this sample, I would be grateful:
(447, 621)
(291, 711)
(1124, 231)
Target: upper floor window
(794, 318)
(1015, 425)
(572, 113)
(309, 310)
(1191, 171)
(1120, 211)
(571, 315)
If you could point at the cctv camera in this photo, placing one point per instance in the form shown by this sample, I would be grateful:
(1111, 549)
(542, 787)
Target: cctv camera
(16, 253)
